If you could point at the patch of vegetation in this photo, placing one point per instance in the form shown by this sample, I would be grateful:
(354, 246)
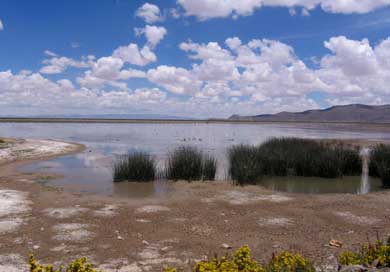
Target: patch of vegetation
(380, 164)
(136, 167)
(242, 262)
(376, 255)
(209, 168)
(245, 164)
(189, 163)
(79, 265)
(292, 157)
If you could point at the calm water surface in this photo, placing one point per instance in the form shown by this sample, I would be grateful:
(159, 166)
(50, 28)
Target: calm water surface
(91, 170)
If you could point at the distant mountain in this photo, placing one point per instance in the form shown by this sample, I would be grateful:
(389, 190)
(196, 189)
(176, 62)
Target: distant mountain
(349, 113)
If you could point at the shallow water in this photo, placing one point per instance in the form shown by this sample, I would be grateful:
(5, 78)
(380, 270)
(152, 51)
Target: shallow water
(90, 171)
(350, 185)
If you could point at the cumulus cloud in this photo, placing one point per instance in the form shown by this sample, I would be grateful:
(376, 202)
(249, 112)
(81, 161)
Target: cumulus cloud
(1, 25)
(134, 55)
(356, 71)
(154, 34)
(149, 13)
(108, 70)
(36, 93)
(257, 76)
(206, 9)
(57, 65)
(176, 80)
(268, 72)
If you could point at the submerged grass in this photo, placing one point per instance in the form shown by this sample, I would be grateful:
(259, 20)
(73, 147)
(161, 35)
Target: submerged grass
(135, 167)
(189, 163)
(292, 157)
(380, 164)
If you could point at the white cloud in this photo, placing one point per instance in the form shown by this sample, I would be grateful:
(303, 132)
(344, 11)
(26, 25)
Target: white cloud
(259, 76)
(35, 94)
(206, 9)
(133, 55)
(1, 25)
(356, 71)
(108, 70)
(57, 65)
(176, 80)
(154, 34)
(149, 13)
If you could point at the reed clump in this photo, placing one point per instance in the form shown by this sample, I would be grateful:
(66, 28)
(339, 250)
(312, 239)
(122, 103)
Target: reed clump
(292, 157)
(189, 163)
(245, 164)
(380, 164)
(135, 167)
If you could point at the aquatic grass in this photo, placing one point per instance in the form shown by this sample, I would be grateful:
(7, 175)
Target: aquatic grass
(380, 164)
(292, 157)
(245, 166)
(209, 168)
(185, 163)
(138, 167)
(189, 163)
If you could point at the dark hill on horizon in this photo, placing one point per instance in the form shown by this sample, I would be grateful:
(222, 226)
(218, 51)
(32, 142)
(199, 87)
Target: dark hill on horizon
(349, 113)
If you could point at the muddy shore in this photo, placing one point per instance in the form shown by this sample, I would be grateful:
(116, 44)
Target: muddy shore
(119, 234)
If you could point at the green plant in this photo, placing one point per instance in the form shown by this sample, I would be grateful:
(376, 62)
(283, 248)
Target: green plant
(189, 163)
(134, 167)
(185, 163)
(241, 262)
(292, 157)
(380, 164)
(289, 262)
(79, 265)
(245, 164)
(372, 254)
(209, 168)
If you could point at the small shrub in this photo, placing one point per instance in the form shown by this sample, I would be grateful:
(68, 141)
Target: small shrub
(135, 167)
(189, 163)
(380, 164)
(377, 254)
(242, 262)
(79, 265)
(209, 168)
(288, 262)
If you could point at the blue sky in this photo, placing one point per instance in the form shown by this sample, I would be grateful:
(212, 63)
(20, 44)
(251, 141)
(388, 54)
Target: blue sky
(203, 58)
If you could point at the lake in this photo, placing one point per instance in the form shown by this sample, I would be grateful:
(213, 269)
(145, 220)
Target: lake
(91, 170)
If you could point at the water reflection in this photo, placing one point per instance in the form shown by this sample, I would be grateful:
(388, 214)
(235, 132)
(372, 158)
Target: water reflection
(350, 185)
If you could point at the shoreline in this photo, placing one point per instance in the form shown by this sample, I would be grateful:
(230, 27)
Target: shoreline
(175, 121)
(140, 234)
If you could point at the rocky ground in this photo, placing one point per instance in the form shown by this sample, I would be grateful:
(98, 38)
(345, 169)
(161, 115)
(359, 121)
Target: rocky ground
(198, 220)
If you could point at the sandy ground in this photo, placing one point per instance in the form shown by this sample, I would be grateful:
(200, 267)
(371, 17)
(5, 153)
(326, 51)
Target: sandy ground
(145, 235)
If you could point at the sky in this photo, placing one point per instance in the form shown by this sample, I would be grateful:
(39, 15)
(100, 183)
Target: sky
(191, 58)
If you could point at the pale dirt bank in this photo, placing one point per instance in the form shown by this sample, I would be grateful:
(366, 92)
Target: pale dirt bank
(146, 235)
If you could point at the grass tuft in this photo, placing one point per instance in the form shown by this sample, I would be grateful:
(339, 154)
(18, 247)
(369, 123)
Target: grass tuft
(380, 164)
(138, 167)
(292, 157)
(245, 164)
(189, 163)
(209, 168)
